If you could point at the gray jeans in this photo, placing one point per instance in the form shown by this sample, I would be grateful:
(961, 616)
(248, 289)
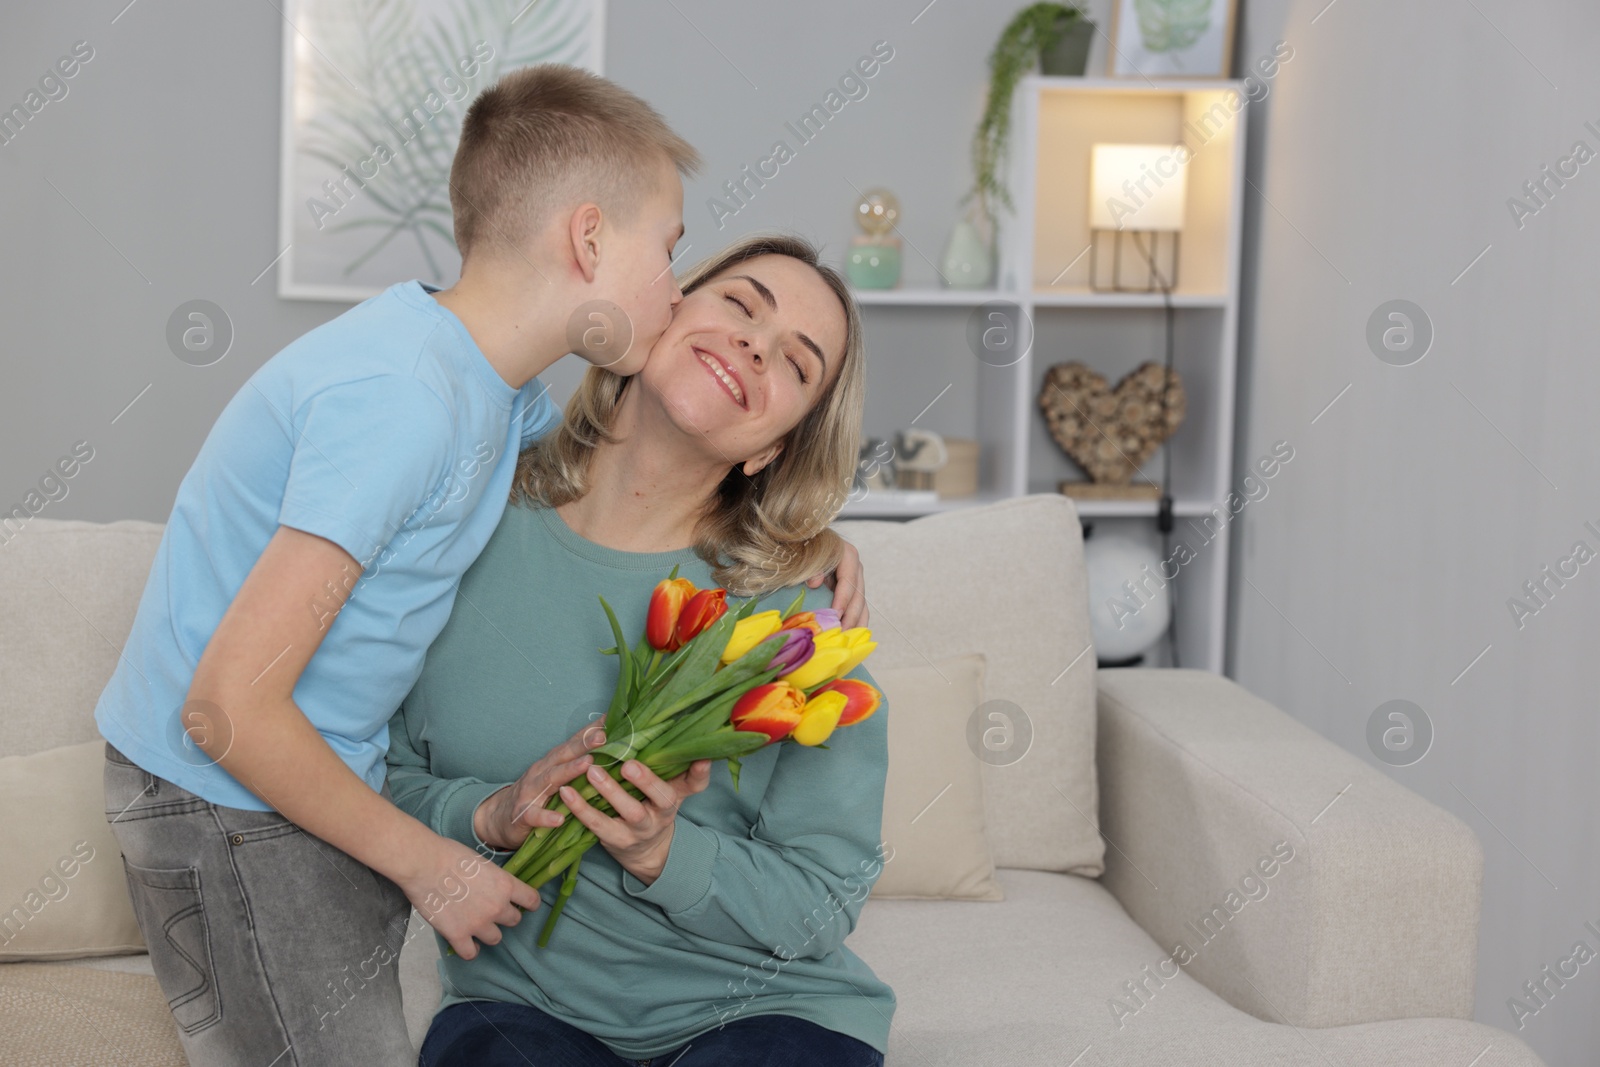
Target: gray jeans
(273, 948)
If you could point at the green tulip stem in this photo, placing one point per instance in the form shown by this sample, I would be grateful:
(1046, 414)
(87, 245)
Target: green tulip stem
(551, 845)
(534, 843)
(556, 839)
(561, 860)
(568, 884)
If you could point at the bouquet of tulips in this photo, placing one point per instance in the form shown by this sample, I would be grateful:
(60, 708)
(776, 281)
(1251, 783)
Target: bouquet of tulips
(704, 682)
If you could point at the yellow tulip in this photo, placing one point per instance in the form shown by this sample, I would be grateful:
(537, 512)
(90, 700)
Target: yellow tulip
(819, 717)
(831, 650)
(860, 644)
(748, 633)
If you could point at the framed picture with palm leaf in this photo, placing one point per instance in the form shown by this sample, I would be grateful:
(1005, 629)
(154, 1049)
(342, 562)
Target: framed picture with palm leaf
(374, 92)
(1172, 38)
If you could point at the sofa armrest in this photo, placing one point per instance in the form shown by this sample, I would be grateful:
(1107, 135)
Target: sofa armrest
(1370, 909)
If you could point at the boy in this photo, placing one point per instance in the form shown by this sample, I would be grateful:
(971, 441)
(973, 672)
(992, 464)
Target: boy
(312, 555)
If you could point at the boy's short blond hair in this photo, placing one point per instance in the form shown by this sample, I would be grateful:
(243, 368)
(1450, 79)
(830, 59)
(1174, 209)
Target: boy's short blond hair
(552, 136)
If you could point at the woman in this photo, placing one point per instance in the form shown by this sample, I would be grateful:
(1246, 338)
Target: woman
(709, 925)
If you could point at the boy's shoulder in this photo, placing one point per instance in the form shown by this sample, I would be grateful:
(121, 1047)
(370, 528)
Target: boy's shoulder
(391, 333)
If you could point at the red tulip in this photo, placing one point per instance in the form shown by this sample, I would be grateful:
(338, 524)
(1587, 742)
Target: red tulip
(703, 609)
(861, 699)
(666, 607)
(772, 709)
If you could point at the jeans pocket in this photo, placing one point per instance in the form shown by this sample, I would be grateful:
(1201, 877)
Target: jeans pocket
(173, 914)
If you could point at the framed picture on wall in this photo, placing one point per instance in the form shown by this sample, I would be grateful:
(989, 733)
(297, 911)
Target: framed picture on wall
(1172, 38)
(374, 92)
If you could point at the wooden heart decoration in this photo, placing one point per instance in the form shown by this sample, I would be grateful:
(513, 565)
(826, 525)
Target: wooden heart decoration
(1110, 433)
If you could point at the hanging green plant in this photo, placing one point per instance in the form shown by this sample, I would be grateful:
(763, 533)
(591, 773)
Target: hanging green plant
(1036, 29)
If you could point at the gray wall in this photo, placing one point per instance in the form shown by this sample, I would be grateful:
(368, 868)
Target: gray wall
(1419, 503)
(167, 143)
(1387, 148)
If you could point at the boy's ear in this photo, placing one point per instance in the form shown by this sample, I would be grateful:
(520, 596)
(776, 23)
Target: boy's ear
(583, 231)
(755, 464)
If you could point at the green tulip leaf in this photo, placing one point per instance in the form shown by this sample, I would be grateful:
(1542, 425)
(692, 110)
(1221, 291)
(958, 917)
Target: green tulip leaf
(624, 690)
(719, 745)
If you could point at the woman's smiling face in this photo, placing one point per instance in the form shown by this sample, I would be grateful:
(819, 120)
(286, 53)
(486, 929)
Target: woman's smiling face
(747, 355)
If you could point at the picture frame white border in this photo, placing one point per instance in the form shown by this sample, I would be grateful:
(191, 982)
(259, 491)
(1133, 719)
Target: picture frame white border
(289, 287)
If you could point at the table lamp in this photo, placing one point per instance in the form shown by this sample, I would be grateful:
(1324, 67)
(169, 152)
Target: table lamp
(1136, 190)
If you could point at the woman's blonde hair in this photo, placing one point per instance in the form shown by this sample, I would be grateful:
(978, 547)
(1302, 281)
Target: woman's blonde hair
(759, 532)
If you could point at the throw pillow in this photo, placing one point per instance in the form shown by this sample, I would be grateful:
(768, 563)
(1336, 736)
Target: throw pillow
(933, 814)
(62, 890)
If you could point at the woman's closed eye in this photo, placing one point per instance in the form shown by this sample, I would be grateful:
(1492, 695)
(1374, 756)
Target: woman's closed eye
(799, 370)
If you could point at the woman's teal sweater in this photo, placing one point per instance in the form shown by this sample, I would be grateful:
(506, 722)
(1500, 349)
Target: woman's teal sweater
(761, 886)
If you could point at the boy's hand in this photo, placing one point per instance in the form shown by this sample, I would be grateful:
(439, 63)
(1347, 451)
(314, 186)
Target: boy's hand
(505, 819)
(465, 897)
(849, 584)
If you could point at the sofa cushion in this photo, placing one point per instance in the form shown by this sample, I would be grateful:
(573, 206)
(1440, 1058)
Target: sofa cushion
(1030, 982)
(62, 890)
(1006, 580)
(65, 1014)
(933, 817)
(71, 590)
(1033, 980)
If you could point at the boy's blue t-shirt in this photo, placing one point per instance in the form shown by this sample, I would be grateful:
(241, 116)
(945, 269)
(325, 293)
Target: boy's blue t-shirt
(386, 431)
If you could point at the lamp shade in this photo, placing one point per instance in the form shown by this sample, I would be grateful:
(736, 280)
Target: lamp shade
(1137, 186)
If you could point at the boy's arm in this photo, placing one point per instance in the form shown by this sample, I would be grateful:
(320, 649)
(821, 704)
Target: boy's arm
(241, 712)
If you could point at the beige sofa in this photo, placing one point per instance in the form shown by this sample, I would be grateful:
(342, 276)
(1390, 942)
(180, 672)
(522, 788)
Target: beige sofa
(1143, 801)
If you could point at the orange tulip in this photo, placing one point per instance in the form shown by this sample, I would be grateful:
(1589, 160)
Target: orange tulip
(803, 620)
(666, 606)
(772, 709)
(703, 609)
(861, 699)
(815, 621)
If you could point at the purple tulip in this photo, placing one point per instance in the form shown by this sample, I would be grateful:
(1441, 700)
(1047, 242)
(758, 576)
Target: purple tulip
(796, 650)
(828, 619)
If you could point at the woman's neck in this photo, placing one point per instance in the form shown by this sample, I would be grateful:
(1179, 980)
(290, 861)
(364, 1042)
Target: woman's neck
(643, 495)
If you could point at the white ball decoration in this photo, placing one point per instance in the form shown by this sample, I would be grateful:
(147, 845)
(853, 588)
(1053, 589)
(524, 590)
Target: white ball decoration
(1124, 621)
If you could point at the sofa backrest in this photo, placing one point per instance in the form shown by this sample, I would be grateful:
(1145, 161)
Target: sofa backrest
(1005, 579)
(69, 590)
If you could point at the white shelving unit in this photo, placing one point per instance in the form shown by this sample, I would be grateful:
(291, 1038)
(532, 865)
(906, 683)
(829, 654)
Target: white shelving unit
(1044, 272)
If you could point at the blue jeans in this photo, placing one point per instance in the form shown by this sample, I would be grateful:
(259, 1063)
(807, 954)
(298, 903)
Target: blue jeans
(483, 1033)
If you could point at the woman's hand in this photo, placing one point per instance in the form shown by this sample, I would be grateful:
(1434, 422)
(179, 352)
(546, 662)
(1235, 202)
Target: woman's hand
(640, 835)
(505, 819)
(849, 584)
